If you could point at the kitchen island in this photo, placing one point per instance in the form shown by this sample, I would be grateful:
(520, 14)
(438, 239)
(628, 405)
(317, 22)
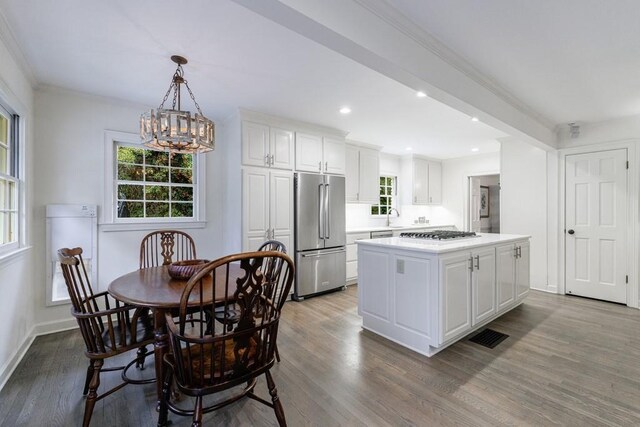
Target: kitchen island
(427, 294)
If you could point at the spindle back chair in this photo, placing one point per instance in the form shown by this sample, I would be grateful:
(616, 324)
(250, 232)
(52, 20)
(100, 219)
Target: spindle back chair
(163, 247)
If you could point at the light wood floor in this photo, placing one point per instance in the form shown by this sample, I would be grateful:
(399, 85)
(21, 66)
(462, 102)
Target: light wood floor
(568, 361)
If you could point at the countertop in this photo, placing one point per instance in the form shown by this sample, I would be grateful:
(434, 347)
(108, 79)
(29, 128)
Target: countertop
(397, 227)
(442, 246)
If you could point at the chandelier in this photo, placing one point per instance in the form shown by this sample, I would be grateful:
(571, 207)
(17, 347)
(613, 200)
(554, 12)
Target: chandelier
(173, 129)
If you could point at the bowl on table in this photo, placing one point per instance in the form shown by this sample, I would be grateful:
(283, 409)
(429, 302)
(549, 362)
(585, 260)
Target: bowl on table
(183, 270)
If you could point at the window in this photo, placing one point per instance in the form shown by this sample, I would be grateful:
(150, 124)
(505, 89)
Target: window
(147, 189)
(153, 184)
(9, 180)
(387, 195)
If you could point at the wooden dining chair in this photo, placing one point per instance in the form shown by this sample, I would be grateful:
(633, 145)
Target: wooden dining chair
(163, 247)
(209, 359)
(230, 316)
(108, 327)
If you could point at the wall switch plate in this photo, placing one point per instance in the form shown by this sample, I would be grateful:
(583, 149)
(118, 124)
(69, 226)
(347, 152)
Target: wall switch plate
(400, 266)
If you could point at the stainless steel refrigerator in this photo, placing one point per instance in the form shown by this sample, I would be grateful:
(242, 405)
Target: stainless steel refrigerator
(320, 235)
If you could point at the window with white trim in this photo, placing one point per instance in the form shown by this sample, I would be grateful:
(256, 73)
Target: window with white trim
(154, 184)
(10, 182)
(147, 189)
(387, 185)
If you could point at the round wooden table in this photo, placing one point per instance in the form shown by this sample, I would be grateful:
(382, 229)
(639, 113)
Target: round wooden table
(155, 289)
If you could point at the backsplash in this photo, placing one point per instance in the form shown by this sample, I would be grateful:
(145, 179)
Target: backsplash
(359, 215)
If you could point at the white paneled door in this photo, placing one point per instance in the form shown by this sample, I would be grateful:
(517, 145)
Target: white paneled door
(596, 225)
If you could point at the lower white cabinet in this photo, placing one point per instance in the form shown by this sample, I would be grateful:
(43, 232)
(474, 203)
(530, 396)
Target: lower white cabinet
(352, 255)
(455, 295)
(267, 211)
(512, 273)
(483, 284)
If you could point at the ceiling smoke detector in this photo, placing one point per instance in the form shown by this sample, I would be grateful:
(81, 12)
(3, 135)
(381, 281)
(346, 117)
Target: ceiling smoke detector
(574, 130)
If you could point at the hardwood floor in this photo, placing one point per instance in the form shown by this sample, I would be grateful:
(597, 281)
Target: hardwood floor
(568, 361)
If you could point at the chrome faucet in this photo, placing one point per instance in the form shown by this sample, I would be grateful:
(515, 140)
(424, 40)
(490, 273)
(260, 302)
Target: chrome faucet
(388, 212)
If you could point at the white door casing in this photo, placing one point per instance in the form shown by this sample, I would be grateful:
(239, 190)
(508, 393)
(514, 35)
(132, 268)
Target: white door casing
(596, 224)
(474, 204)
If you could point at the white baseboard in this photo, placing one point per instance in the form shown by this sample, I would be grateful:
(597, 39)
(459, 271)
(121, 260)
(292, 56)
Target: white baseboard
(548, 289)
(40, 329)
(7, 370)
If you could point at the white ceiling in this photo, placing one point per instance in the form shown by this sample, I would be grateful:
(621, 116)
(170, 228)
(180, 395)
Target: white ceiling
(569, 60)
(237, 59)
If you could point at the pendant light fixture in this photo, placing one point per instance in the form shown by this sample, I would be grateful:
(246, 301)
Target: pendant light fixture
(173, 129)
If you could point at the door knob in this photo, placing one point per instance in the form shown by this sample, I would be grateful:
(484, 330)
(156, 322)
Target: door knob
(571, 232)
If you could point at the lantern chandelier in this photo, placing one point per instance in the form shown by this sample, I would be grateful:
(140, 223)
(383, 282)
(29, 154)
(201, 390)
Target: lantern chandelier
(173, 129)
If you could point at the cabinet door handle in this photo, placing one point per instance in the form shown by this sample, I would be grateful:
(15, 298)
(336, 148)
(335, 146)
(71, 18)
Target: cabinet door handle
(471, 263)
(519, 251)
(266, 160)
(272, 161)
(515, 252)
(326, 166)
(320, 166)
(477, 262)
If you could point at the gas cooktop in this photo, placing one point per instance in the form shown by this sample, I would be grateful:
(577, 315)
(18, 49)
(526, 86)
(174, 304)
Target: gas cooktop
(440, 235)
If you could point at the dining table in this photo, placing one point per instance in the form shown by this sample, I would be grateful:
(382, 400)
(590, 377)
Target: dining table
(153, 288)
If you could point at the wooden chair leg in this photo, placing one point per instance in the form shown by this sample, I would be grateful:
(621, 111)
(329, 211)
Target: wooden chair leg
(277, 354)
(93, 392)
(163, 411)
(197, 413)
(277, 406)
(88, 379)
(141, 353)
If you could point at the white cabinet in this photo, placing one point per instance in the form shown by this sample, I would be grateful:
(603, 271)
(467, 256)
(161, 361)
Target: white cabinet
(333, 153)
(435, 183)
(455, 295)
(505, 275)
(352, 255)
(512, 274)
(266, 146)
(523, 278)
(267, 211)
(421, 181)
(483, 284)
(362, 174)
(468, 290)
(317, 154)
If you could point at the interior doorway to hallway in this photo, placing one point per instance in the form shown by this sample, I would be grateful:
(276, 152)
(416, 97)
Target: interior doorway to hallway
(484, 203)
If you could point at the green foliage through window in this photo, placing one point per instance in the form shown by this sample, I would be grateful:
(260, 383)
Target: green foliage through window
(153, 184)
(387, 193)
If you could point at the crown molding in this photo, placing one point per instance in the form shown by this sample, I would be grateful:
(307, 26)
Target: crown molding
(392, 16)
(10, 41)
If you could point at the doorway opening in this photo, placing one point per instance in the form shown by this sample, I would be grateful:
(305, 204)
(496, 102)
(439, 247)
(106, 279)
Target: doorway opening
(484, 203)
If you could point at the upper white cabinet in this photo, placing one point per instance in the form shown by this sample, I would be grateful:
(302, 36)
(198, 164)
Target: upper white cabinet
(421, 181)
(315, 153)
(266, 146)
(362, 174)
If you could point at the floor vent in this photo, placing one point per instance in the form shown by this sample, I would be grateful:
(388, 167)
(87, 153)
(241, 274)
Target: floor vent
(489, 338)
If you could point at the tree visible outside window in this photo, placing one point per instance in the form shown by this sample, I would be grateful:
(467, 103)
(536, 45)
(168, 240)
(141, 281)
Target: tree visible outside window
(387, 193)
(154, 184)
(9, 180)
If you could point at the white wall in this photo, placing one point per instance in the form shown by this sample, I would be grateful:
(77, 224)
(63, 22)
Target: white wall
(16, 275)
(524, 201)
(455, 173)
(70, 169)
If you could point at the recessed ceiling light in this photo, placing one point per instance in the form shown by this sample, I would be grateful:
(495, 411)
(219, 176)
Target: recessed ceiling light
(345, 110)
(408, 148)
(421, 94)
(475, 119)
(475, 150)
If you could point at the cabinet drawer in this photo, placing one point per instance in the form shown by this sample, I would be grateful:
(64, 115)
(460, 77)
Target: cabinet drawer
(352, 252)
(352, 237)
(352, 270)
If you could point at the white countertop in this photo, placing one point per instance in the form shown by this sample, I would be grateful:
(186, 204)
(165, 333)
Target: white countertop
(442, 246)
(397, 227)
